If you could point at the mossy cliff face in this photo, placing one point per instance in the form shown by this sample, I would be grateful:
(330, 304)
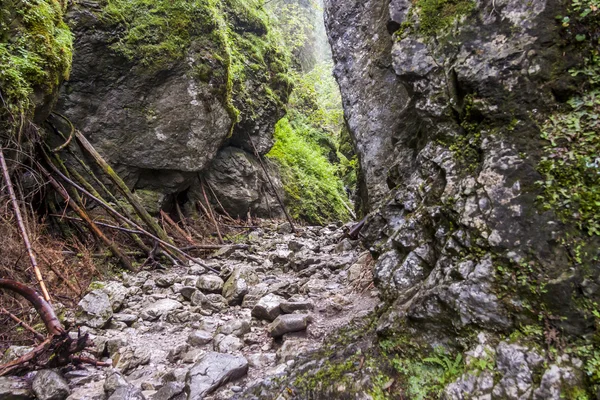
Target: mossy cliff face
(476, 124)
(159, 87)
(35, 57)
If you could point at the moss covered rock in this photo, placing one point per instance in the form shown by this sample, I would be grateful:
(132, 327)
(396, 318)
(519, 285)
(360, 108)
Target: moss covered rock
(160, 86)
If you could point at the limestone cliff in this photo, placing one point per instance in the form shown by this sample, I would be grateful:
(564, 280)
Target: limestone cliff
(470, 121)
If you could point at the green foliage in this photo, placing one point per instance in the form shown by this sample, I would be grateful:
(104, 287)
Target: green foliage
(314, 192)
(571, 164)
(307, 149)
(294, 24)
(431, 17)
(35, 50)
(427, 378)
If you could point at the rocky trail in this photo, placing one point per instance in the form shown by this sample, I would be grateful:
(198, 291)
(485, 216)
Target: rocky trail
(193, 333)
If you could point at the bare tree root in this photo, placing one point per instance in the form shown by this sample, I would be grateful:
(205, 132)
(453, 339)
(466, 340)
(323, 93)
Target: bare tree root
(58, 349)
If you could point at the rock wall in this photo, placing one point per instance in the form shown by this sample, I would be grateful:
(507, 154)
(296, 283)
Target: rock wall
(161, 119)
(444, 100)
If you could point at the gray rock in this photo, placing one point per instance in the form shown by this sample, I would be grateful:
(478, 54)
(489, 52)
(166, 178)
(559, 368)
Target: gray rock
(162, 307)
(130, 358)
(127, 393)
(284, 228)
(176, 353)
(117, 293)
(199, 338)
(556, 381)
(212, 371)
(95, 309)
(198, 298)
(176, 375)
(289, 307)
(239, 182)
(49, 385)
(261, 360)
(517, 365)
(14, 352)
(188, 291)
(237, 285)
(227, 344)
(210, 284)
(268, 307)
(12, 388)
(113, 381)
(165, 281)
(125, 318)
(236, 327)
(170, 391)
(289, 323)
(214, 302)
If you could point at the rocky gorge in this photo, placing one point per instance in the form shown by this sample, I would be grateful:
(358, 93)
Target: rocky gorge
(192, 333)
(474, 273)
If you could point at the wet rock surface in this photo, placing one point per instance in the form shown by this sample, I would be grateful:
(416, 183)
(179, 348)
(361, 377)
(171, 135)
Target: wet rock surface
(174, 342)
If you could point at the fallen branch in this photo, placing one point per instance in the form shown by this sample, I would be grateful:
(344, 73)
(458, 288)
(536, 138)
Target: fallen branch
(93, 227)
(43, 308)
(177, 228)
(61, 276)
(216, 247)
(210, 214)
(22, 230)
(22, 323)
(165, 245)
(57, 349)
(140, 210)
(71, 134)
(262, 164)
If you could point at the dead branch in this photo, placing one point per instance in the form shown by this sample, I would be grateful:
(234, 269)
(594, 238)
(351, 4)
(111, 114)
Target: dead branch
(43, 308)
(217, 199)
(216, 247)
(60, 275)
(57, 350)
(17, 211)
(71, 134)
(22, 323)
(262, 164)
(165, 245)
(140, 210)
(210, 214)
(93, 227)
(177, 228)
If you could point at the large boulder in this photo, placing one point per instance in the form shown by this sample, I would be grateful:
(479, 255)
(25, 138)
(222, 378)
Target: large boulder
(160, 112)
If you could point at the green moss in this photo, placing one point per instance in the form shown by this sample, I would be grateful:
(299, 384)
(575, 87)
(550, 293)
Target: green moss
(437, 15)
(571, 165)
(313, 191)
(35, 51)
(228, 42)
(430, 18)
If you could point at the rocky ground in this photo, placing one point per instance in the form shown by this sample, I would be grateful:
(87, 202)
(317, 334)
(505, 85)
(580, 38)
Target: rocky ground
(216, 327)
